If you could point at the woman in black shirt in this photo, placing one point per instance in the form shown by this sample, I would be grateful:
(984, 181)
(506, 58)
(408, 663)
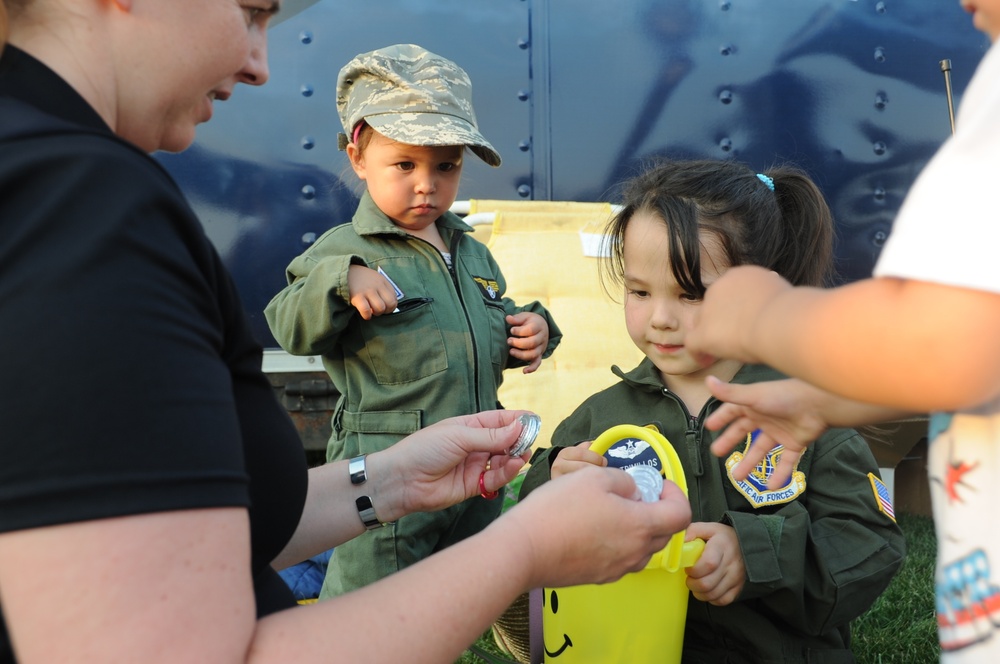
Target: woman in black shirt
(143, 521)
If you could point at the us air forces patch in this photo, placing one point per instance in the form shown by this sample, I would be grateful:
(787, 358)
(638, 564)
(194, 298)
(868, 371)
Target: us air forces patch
(754, 487)
(489, 288)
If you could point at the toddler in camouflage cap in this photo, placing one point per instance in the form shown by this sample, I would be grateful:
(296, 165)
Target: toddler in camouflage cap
(406, 309)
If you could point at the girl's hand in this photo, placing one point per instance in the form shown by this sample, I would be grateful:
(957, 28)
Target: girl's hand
(574, 458)
(529, 338)
(719, 574)
(371, 293)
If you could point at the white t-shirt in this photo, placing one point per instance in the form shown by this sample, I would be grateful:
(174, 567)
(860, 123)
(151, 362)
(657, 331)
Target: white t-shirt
(948, 232)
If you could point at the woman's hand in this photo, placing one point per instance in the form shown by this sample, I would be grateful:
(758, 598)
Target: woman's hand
(585, 527)
(440, 465)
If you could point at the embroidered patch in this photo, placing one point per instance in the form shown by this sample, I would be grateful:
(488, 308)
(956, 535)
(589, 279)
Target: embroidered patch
(882, 497)
(754, 487)
(629, 452)
(489, 288)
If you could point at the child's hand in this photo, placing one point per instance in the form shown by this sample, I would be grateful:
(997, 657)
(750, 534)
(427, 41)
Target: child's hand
(724, 323)
(719, 575)
(529, 337)
(574, 458)
(371, 293)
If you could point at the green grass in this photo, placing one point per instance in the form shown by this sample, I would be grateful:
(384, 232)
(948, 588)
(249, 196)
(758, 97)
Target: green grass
(899, 628)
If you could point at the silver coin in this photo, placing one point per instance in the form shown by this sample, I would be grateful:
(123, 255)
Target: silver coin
(531, 424)
(648, 480)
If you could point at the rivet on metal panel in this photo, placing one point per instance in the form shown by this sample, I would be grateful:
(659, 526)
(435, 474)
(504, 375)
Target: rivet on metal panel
(879, 238)
(523, 43)
(879, 7)
(725, 5)
(726, 96)
(305, 37)
(726, 144)
(727, 49)
(879, 193)
(879, 147)
(881, 99)
(308, 192)
(524, 146)
(524, 191)
(523, 95)
(307, 90)
(308, 142)
(879, 54)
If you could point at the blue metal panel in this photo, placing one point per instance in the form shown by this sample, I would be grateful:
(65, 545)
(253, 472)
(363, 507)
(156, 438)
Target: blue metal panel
(850, 91)
(577, 94)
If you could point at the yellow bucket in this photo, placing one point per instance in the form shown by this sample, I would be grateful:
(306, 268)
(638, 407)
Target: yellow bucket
(639, 618)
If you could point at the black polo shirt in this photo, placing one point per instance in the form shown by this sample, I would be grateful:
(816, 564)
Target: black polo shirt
(131, 382)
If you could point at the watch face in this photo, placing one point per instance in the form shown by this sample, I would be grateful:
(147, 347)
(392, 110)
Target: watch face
(367, 512)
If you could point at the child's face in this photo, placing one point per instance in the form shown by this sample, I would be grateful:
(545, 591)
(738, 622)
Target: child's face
(658, 312)
(985, 16)
(413, 185)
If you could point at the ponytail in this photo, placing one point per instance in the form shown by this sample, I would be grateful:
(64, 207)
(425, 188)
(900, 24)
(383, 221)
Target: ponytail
(805, 257)
(777, 219)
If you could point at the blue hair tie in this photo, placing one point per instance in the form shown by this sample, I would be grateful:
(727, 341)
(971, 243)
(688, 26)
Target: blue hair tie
(766, 180)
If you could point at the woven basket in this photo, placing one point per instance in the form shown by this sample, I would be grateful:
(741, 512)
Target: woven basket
(512, 630)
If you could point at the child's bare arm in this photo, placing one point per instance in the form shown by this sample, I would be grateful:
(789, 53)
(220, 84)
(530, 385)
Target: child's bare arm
(529, 338)
(574, 458)
(910, 345)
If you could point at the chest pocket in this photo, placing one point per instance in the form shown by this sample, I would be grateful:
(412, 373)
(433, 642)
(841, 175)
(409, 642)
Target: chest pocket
(406, 345)
(497, 317)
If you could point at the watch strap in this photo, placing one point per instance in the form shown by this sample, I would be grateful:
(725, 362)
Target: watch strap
(358, 470)
(367, 513)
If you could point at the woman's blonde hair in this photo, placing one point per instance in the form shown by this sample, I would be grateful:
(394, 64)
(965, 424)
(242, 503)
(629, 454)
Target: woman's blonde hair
(3, 24)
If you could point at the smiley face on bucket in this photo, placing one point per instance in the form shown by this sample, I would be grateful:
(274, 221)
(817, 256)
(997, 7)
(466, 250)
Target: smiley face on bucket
(550, 601)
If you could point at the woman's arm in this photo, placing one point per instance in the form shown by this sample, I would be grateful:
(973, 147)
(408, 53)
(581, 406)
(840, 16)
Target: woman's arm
(429, 470)
(176, 586)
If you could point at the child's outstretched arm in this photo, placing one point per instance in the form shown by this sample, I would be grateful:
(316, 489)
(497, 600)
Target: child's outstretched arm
(911, 345)
(529, 337)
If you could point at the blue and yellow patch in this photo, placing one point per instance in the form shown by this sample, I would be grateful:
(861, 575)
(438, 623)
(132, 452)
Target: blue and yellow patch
(754, 487)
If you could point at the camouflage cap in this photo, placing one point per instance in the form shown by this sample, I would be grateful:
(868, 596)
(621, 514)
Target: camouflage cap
(413, 96)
